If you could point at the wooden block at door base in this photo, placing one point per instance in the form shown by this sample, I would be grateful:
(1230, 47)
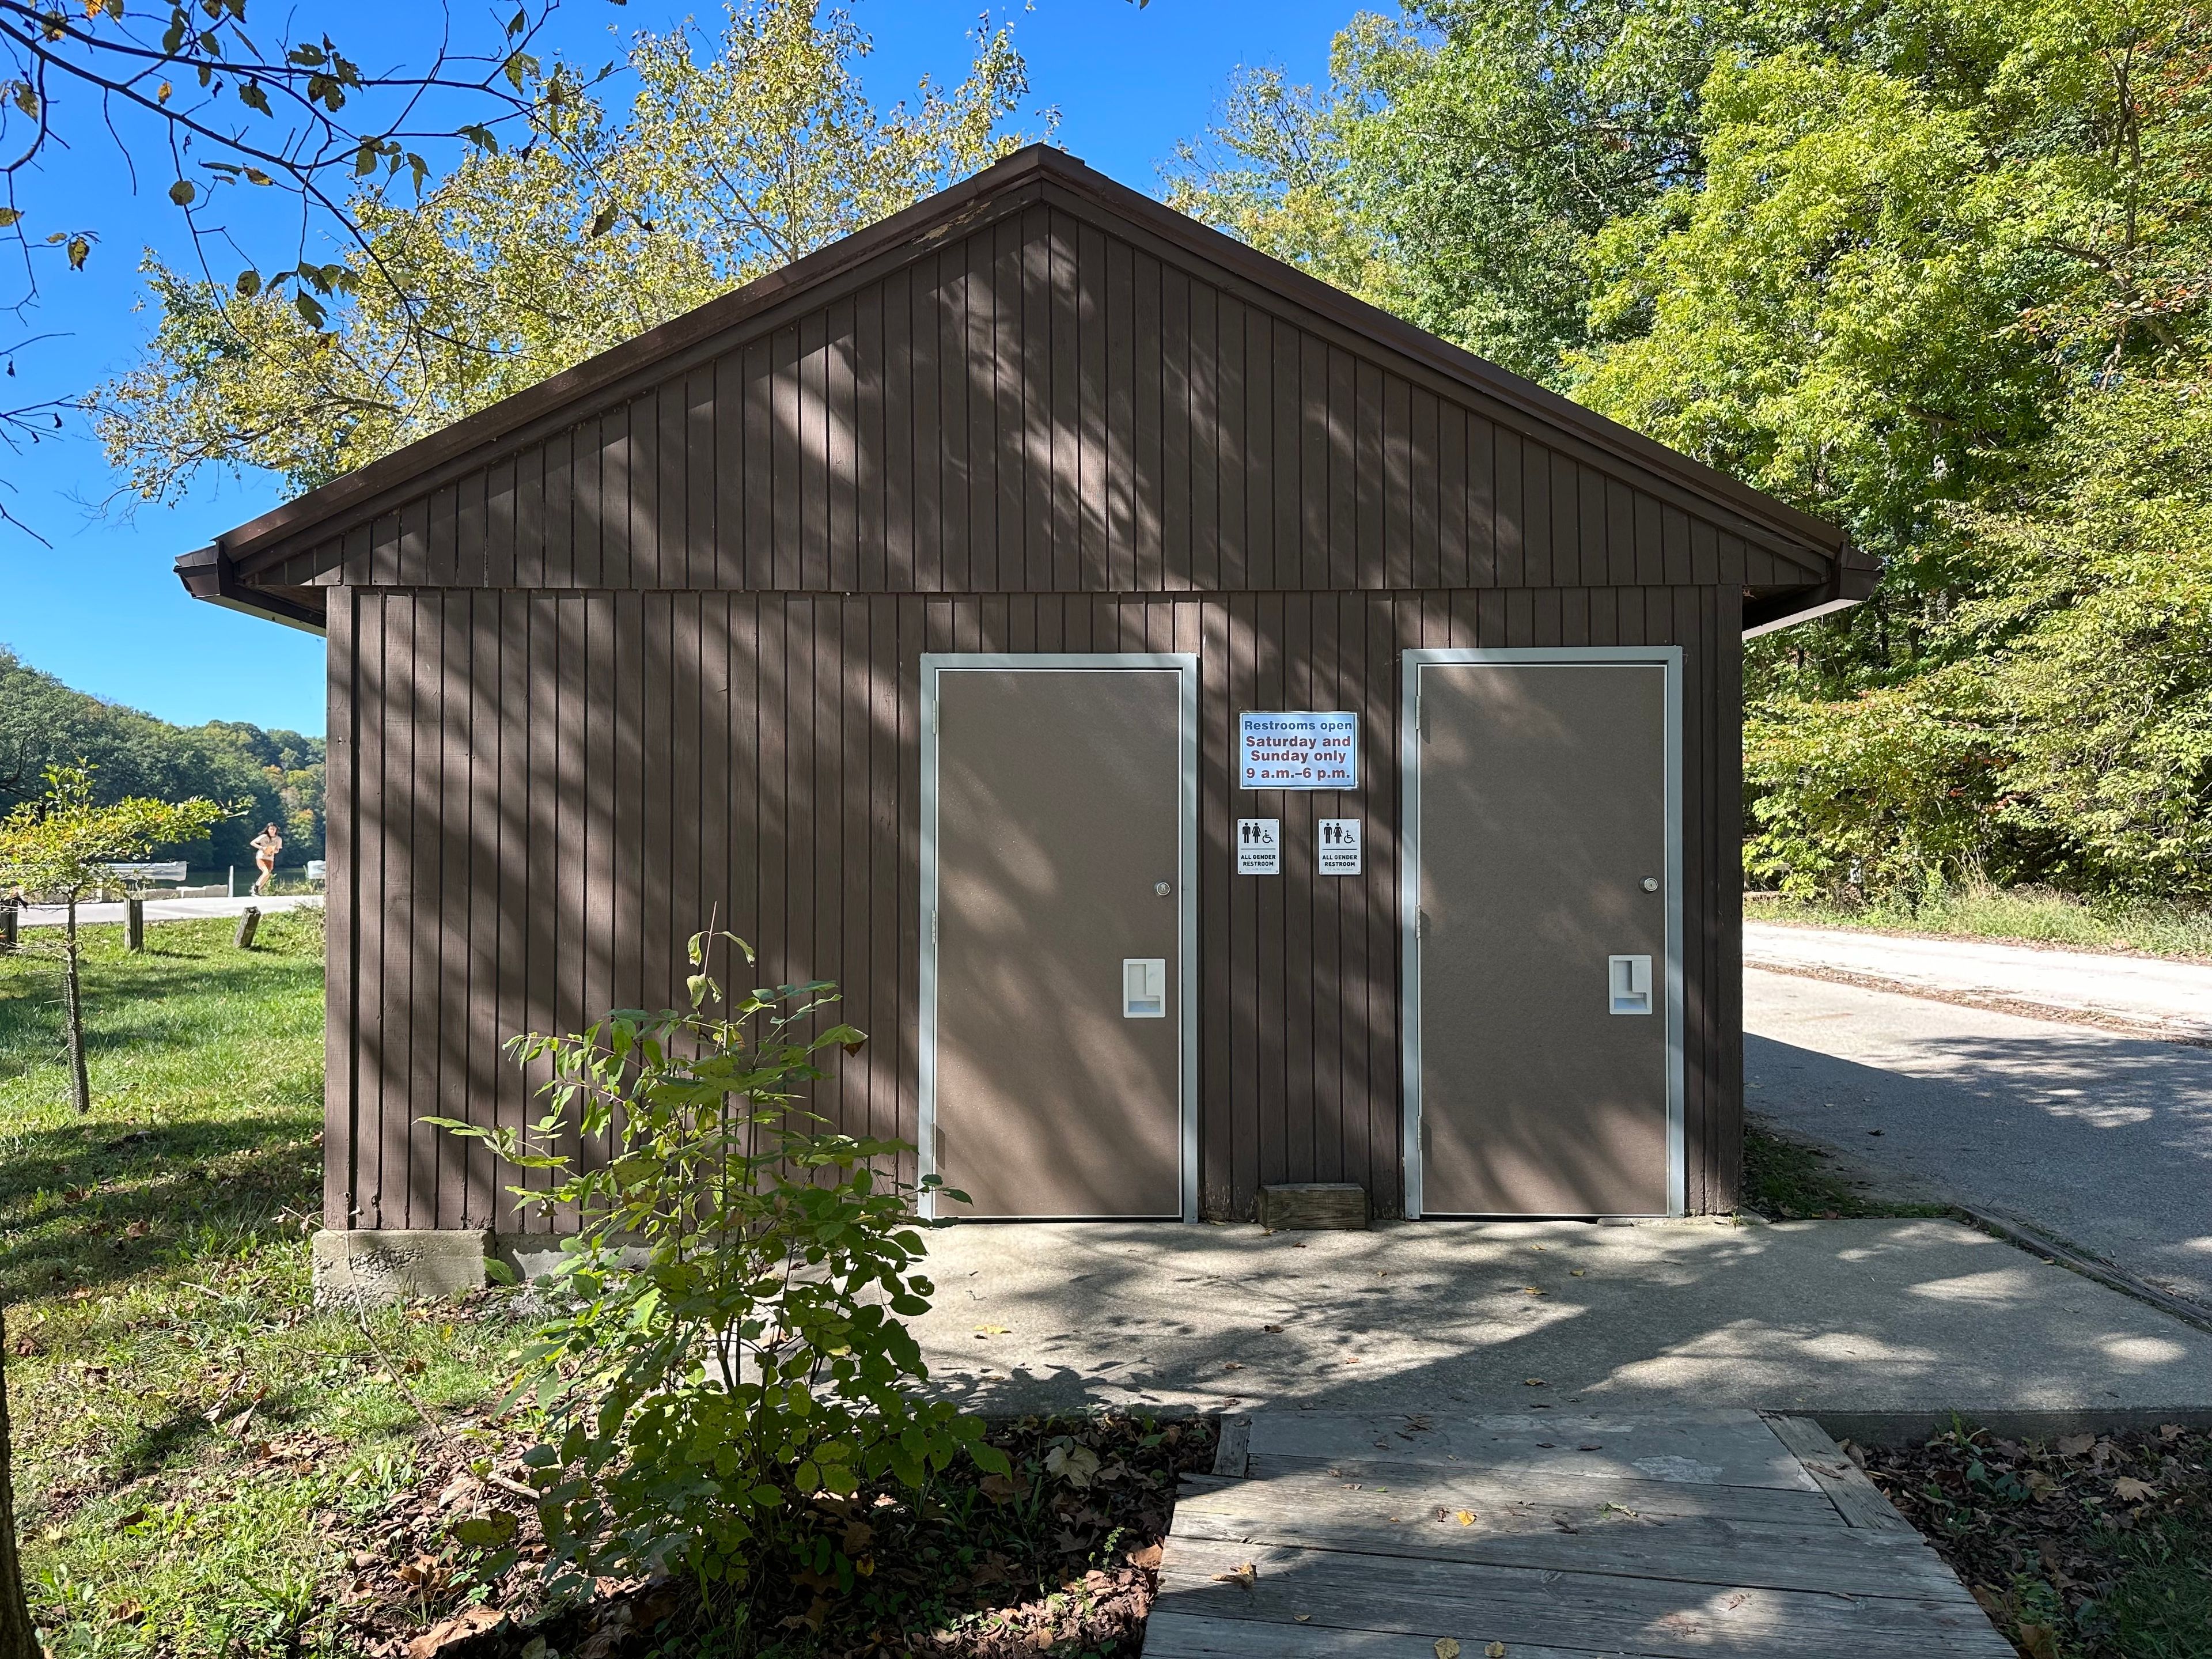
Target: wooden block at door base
(1313, 1206)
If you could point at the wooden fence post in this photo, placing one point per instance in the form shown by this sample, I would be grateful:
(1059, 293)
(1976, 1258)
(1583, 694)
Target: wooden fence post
(8, 925)
(134, 923)
(246, 923)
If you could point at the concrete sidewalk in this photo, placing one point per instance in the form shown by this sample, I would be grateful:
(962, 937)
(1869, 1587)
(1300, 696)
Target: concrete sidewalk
(1830, 1318)
(170, 909)
(2154, 992)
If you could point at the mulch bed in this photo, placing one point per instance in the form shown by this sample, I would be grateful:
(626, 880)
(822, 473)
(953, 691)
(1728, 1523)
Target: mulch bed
(2088, 1547)
(1061, 1557)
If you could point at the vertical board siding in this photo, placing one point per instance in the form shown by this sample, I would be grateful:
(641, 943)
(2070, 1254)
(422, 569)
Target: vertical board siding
(541, 795)
(660, 668)
(1040, 407)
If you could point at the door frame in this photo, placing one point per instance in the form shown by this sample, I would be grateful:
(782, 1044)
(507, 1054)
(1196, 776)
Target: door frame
(1184, 664)
(1668, 657)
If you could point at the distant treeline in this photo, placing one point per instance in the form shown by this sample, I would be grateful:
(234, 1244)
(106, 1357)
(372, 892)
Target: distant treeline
(267, 776)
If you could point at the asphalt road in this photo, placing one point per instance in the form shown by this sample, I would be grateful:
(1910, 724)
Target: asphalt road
(170, 909)
(2101, 1138)
(2167, 996)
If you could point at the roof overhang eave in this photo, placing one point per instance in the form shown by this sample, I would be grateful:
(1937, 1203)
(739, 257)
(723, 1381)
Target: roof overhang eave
(208, 573)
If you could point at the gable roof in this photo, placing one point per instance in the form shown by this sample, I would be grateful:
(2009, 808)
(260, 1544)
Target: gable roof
(241, 569)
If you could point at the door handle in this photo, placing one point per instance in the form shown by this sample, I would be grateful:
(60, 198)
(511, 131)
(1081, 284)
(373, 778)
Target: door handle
(1628, 984)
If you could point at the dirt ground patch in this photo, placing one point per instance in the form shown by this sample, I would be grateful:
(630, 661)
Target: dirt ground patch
(1061, 1557)
(2088, 1547)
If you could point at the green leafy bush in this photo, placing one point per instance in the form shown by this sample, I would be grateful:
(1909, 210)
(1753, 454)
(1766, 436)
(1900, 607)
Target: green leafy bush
(726, 1362)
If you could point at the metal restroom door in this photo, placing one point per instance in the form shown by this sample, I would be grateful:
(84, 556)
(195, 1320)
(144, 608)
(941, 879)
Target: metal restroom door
(1542, 939)
(1058, 983)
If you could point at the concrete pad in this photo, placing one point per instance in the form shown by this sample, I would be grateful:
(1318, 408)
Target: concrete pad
(1907, 1317)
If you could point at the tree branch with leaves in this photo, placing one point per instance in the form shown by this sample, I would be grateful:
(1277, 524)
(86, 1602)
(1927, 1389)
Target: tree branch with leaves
(740, 151)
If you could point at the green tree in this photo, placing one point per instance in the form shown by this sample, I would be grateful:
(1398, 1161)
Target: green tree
(730, 1364)
(56, 848)
(739, 153)
(276, 775)
(1937, 270)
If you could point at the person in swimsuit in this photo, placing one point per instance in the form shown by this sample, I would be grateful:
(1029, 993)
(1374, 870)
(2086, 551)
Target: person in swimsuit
(266, 845)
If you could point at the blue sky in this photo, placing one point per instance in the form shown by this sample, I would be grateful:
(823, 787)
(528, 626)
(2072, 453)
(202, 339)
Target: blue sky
(100, 609)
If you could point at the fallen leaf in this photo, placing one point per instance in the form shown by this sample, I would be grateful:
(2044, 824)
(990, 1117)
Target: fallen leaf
(1247, 1574)
(1531, 1290)
(1466, 1517)
(1446, 1648)
(2128, 1490)
(1302, 1617)
(1495, 1651)
(1276, 1329)
(1532, 1382)
(1232, 1364)
(2040, 1640)
(2170, 1431)
(2073, 1445)
(993, 1330)
(1147, 1557)
(1076, 1465)
(468, 1622)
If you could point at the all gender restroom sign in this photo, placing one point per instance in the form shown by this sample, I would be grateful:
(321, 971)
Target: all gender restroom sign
(1259, 846)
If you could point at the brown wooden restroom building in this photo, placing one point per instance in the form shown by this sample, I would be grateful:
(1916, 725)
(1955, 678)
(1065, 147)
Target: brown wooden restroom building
(1216, 734)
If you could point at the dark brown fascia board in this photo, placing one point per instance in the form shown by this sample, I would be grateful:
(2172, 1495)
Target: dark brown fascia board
(1767, 612)
(210, 574)
(1008, 187)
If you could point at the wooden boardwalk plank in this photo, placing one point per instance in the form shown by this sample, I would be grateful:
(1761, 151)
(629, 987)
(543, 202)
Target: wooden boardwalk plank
(1478, 1489)
(1722, 1447)
(1646, 1536)
(1602, 1612)
(1857, 1499)
(1706, 1550)
(1233, 1449)
(1184, 1636)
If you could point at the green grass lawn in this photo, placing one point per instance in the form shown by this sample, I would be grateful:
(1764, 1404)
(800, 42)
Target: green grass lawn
(191, 1436)
(1785, 1180)
(2033, 915)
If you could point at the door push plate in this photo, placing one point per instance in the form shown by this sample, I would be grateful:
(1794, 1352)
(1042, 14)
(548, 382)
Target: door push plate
(1628, 984)
(1143, 987)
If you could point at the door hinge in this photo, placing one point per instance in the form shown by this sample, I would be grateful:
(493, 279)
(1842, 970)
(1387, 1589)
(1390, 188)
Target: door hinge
(933, 926)
(932, 716)
(1421, 923)
(1420, 711)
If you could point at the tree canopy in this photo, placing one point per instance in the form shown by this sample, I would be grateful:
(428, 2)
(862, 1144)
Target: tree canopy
(1939, 270)
(269, 776)
(738, 152)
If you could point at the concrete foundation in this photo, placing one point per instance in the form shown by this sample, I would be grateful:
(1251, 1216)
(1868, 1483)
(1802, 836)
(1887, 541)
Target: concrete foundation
(363, 1268)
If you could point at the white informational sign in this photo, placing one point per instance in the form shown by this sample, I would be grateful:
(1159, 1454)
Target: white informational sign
(1336, 846)
(1259, 846)
(1296, 748)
